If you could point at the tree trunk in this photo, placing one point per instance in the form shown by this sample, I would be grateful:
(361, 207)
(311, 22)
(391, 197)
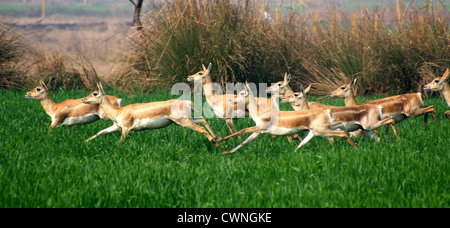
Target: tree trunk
(137, 13)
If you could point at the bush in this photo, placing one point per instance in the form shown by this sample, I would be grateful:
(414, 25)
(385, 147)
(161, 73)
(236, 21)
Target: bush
(390, 53)
(240, 42)
(11, 50)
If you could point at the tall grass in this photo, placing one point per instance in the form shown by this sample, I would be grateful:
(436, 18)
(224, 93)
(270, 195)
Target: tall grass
(12, 48)
(61, 71)
(388, 52)
(22, 66)
(236, 37)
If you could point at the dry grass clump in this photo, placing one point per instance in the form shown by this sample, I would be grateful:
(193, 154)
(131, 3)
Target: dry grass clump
(22, 66)
(12, 49)
(389, 53)
(237, 38)
(60, 72)
(385, 57)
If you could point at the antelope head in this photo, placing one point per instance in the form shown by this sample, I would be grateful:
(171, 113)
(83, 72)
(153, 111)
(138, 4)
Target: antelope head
(241, 98)
(298, 97)
(281, 86)
(38, 93)
(345, 90)
(201, 75)
(96, 97)
(438, 84)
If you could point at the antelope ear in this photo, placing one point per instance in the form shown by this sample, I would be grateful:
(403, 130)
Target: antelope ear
(43, 85)
(247, 86)
(446, 75)
(353, 83)
(308, 89)
(287, 78)
(100, 88)
(203, 67)
(301, 88)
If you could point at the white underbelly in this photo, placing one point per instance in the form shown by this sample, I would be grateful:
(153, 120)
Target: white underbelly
(152, 123)
(89, 118)
(219, 113)
(283, 131)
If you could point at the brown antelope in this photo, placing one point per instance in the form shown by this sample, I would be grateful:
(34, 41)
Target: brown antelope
(222, 109)
(441, 84)
(154, 115)
(282, 89)
(399, 107)
(69, 112)
(284, 123)
(361, 117)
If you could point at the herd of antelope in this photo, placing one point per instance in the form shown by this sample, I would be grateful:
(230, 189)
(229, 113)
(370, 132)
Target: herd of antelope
(319, 119)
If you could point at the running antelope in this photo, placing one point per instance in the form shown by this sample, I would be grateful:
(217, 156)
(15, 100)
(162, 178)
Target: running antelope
(222, 109)
(441, 84)
(285, 123)
(154, 115)
(362, 117)
(282, 89)
(69, 112)
(399, 107)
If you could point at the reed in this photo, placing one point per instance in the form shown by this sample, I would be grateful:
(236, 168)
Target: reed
(390, 50)
(12, 49)
(244, 43)
(241, 41)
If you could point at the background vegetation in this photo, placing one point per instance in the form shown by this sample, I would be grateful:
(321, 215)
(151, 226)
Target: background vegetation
(390, 52)
(392, 48)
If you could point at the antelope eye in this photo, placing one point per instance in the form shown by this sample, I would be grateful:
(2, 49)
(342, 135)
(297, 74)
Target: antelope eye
(95, 94)
(200, 73)
(343, 88)
(279, 84)
(38, 89)
(242, 94)
(436, 81)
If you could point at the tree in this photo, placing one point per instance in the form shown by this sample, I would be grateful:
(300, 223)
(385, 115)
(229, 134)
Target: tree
(137, 12)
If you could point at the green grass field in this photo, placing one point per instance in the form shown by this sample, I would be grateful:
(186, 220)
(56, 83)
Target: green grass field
(176, 167)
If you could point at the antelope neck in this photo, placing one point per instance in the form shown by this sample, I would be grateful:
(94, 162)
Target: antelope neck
(109, 109)
(288, 92)
(48, 104)
(446, 93)
(208, 87)
(350, 101)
